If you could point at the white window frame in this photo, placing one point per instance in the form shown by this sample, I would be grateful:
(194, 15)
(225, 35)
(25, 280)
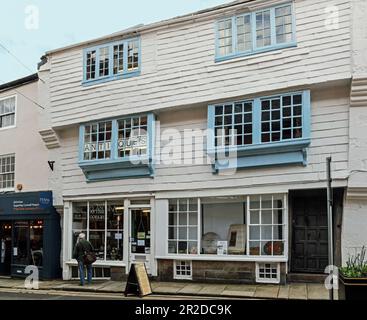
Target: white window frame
(182, 277)
(15, 111)
(267, 280)
(247, 257)
(106, 230)
(1, 173)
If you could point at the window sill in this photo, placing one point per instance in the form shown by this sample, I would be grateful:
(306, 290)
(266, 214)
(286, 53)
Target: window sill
(8, 128)
(100, 263)
(203, 257)
(279, 153)
(255, 52)
(7, 190)
(87, 83)
(133, 167)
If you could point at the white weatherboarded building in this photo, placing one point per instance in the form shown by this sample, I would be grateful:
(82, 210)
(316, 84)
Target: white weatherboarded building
(144, 117)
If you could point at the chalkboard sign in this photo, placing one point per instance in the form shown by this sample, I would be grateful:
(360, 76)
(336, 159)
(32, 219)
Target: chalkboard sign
(138, 282)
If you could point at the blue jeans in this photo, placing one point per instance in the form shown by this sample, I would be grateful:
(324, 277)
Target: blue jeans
(82, 272)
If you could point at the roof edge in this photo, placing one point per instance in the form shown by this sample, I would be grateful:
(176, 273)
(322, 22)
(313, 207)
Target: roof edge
(19, 82)
(154, 25)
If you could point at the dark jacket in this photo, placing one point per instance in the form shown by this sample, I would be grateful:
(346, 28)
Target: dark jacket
(80, 248)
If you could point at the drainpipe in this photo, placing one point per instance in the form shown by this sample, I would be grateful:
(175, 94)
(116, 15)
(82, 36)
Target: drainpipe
(330, 226)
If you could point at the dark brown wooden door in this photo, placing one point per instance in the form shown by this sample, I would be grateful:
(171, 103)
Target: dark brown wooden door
(310, 234)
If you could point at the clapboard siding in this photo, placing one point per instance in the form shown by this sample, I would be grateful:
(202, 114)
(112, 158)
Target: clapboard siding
(329, 135)
(178, 68)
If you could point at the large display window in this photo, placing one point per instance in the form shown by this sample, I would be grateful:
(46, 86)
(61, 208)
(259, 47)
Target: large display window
(228, 226)
(103, 224)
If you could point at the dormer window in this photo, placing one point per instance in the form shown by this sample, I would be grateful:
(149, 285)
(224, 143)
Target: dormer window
(112, 61)
(254, 32)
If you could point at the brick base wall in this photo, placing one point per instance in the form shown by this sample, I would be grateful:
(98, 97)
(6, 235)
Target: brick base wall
(118, 274)
(216, 271)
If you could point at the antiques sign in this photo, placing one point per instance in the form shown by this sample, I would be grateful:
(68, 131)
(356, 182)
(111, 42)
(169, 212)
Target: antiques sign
(102, 146)
(133, 143)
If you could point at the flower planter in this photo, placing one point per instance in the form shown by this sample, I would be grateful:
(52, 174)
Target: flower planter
(352, 288)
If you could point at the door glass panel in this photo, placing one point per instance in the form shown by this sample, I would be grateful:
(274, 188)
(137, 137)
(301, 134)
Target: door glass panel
(140, 231)
(20, 248)
(36, 243)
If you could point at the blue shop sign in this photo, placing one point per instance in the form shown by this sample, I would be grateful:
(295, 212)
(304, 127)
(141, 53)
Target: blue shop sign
(25, 202)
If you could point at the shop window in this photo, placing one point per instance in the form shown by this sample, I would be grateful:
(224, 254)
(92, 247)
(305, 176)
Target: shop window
(7, 112)
(103, 223)
(28, 243)
(182, 269)
(268, 272)
(183, 226)
(7, 172)
(224, 227)
(266, 226)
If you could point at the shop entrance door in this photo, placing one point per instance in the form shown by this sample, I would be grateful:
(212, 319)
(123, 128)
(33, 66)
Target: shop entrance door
(140, 237)
(5, 247)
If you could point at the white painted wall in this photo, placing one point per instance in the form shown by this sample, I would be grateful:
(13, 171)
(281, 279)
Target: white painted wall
(178, 68)
(329, 135)
(31, 167)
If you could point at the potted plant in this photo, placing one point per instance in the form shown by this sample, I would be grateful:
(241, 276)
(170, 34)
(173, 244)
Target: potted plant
(353, 278)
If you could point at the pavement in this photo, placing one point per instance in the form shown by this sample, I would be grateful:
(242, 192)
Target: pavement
(292, 291)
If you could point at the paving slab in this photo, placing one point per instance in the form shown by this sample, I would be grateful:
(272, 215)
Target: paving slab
(239, 290)
(212, 289)
(266, 291)
(191, 289)
(283, 292)
(317, 292)
(298, 291)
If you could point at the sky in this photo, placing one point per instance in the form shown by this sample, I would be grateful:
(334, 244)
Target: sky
(29, 28)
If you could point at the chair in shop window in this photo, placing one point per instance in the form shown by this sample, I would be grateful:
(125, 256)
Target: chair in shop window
(237, 239)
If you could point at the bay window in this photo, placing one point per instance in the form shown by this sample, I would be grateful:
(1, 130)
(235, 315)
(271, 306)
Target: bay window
(261, 131)
(103, 224)
(253, 32)
(117, 148)
(242, 226)
(112, 61)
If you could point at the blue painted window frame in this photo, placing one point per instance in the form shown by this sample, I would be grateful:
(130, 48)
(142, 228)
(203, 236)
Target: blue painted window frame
(258, 148)
(110, 77)
(116, 162)
(274, 46)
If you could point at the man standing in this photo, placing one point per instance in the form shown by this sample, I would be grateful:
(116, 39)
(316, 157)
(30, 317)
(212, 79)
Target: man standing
(83, 247)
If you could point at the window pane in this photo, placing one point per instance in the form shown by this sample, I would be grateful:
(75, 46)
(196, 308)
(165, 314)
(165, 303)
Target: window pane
(36, 242)
(115, 215)
(97, 216)
(283, 24)
(104, 61)
(225, 37)
(97, 239)
(97, 141)
(114, 245)
(118, 59)
(244, 33)
(7, 172)
(133, 55)
(263, 34)
(90, 65)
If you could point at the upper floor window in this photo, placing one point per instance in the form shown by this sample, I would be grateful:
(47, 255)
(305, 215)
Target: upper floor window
(7, 112)
(261, 123)
(112, 61)
(7, 172)
(254, 32)
(123, 143)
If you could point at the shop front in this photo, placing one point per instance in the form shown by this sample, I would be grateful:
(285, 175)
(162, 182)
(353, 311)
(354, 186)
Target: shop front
(30, 235)
(120, 230)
